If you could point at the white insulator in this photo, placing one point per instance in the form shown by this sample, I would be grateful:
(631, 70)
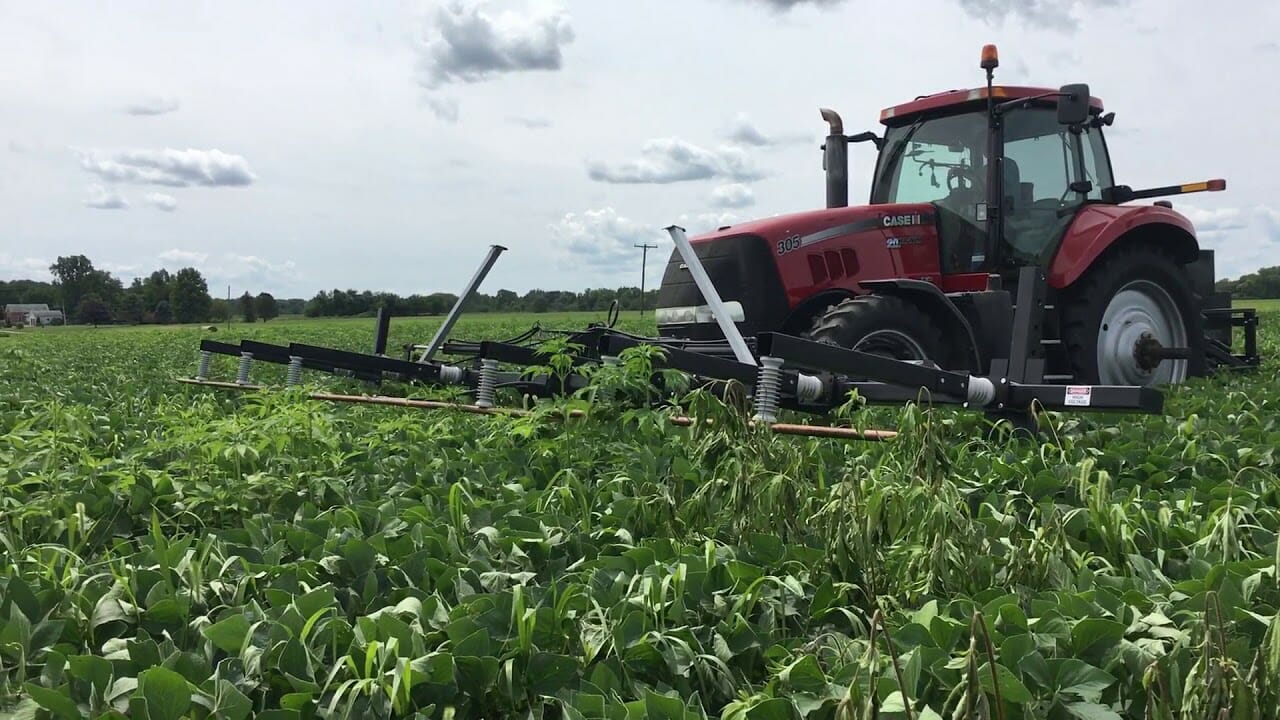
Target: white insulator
(205, 358)
(768, 389)
(981, 390)
(242, 377)
(294, 375)
(808, 388)
(451, 374)
(609, 359)
(488, 379)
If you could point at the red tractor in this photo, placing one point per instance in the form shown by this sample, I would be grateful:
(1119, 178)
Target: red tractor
(971, 188)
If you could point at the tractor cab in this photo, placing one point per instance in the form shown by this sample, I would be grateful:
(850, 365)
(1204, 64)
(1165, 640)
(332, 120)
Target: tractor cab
(941, 154)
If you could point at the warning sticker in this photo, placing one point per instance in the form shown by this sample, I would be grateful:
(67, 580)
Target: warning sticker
(1078, 395)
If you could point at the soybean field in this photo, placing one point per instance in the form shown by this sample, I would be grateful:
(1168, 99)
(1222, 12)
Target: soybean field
(169, 551)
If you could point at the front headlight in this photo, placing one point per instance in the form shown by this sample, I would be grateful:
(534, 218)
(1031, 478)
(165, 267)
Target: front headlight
(697, 313)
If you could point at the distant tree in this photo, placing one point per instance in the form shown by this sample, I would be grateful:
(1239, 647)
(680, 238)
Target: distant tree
(29, 291)
(92, 309)
(163, 313)
(131, 308)
(156, 288)
(71, 275)
(189, 296)
(219, 310)
(265, 306)
(247, 310)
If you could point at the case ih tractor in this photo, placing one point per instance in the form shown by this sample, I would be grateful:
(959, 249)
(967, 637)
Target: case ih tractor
(971, 189)
(997, 267)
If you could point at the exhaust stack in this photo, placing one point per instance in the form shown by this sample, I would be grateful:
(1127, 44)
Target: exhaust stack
(835, 160)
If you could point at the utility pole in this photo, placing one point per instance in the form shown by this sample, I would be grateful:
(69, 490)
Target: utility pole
(644, 265)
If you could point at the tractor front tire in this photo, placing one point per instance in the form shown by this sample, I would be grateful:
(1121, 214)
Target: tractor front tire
(882, 325)
(1132, 291)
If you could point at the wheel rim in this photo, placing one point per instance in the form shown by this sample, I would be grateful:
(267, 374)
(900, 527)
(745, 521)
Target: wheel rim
(1140, 307)
(891, 343)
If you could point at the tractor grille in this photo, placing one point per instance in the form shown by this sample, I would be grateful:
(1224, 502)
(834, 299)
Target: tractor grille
(743, 271)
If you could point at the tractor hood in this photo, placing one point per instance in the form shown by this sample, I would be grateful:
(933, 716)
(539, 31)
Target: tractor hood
(814, 226)
(762, 269)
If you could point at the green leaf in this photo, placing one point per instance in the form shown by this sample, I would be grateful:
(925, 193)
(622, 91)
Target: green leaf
(19, 592)
(108, 610)
(232, 704)
(229, 633)
(662, 707)
(17, 630)
(1011, 688)
(55, 701)
(804, 675)
(928, 713)
(1091, 631)
(475, 644)
(26, 709)
(167, 694)
(772, 709)
(92, 669)
(1090, 711)
(1076, 677)
(549, 673)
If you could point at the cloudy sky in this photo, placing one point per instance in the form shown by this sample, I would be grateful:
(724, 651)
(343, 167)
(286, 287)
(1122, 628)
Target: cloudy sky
(297, 146)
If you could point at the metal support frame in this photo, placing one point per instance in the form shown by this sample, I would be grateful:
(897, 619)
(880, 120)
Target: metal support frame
(1220, 354)
(383, 329)
(456, 310)
(710, 294)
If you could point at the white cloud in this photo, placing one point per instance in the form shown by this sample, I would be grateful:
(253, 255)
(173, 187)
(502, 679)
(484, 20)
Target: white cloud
(705, 222)
(785, 5)
(744, 132)
(242, 272)
(15, 267)
(1242, 238)
(173, 168)
(101, 198)
(184, 257)
(1049, 14)
(152, 105)
(462, 43)
(604, 239)
(160, 201)
(670, 160)
(532, 123)
(255, 273)
(734, 195)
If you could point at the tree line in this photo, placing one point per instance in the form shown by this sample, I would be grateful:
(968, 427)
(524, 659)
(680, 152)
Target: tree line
(91, 295)
(349, 303)
(1264, 283)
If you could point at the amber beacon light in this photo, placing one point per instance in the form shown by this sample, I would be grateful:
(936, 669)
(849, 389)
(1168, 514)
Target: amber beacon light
(990, 58)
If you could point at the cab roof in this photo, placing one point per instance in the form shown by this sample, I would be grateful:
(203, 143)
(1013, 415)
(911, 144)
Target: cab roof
(957, 98)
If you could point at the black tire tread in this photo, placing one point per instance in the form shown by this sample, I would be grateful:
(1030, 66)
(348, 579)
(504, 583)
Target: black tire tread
(845, 323)
(1089, 295)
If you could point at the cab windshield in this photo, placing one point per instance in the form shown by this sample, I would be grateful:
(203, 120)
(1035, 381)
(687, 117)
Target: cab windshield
(940, 160)
(932, 160)
(943, 161)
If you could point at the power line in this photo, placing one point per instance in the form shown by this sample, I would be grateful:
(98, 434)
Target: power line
(644, 265)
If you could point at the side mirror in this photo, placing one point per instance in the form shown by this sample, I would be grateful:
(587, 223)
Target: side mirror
(1073, 104)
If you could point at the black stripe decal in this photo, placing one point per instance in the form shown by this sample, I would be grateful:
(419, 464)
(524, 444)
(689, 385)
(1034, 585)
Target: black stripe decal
(838, 230)
(859, 226)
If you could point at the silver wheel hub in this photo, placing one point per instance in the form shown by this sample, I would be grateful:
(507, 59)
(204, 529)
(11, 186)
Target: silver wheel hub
(1139, 311)
(891, 343)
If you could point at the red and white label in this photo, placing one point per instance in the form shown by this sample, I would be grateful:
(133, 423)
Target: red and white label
(1078, 396)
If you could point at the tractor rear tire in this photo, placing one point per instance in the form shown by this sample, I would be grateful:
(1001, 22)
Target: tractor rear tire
(882, 325)
(1132, 290)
